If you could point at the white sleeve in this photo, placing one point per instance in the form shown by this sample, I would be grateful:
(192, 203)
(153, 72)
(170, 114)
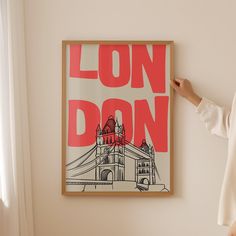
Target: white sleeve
(215, 117)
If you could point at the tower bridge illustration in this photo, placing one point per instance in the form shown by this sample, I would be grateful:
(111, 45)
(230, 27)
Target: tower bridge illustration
(102, 168)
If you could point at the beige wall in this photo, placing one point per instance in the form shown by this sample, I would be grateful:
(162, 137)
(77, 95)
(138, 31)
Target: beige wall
(205, 35)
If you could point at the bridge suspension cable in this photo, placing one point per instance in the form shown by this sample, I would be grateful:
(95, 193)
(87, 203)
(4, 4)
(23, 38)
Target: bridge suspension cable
(85, 159)
(88, 163)
(93, 167)
(93, 148)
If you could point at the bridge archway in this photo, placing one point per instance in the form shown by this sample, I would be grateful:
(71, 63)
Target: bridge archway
(144, 181)
(106, 175)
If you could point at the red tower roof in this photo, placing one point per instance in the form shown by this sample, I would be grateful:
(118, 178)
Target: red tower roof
(144, 146)
(109, 127)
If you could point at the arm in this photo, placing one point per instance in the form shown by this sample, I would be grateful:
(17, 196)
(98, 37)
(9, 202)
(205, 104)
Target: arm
(232, 229)
(216, 118)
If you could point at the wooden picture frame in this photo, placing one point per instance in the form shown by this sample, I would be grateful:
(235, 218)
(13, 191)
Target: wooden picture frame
(100, 83)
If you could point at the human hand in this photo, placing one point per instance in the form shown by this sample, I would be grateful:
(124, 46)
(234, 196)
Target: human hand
(184, 88)
(232, 229)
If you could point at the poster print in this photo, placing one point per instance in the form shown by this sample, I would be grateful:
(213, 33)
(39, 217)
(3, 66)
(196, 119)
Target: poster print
(116, 118)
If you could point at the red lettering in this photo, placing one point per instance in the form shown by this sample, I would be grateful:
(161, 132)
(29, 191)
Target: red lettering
(92, 119)
(155, 67)
(106, 65)
(75, 61)
(157, 127)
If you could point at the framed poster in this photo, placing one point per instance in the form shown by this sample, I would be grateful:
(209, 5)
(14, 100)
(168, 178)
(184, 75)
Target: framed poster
(117, 118)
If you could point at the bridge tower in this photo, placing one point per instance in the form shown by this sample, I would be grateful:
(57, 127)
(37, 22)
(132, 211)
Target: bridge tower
(110, 151)
(145, 168)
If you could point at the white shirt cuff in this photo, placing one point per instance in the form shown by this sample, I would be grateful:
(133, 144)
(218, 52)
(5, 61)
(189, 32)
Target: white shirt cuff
(203, 105)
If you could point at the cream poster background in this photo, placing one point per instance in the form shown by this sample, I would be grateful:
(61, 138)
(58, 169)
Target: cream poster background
(94, 91)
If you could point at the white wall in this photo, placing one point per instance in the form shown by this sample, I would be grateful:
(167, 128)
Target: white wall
(205, 35)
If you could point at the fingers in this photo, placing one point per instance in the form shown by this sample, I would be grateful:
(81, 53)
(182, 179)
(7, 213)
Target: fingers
(174, 85)
(179, 79)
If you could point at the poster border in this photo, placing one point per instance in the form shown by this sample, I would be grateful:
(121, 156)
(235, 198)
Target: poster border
(63, 118)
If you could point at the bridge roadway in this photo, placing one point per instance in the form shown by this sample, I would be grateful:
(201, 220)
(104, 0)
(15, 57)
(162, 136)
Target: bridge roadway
(71, 181)
(136, 153)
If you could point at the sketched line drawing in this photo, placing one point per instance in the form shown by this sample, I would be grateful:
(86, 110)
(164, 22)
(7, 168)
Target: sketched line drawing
(107, 160)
